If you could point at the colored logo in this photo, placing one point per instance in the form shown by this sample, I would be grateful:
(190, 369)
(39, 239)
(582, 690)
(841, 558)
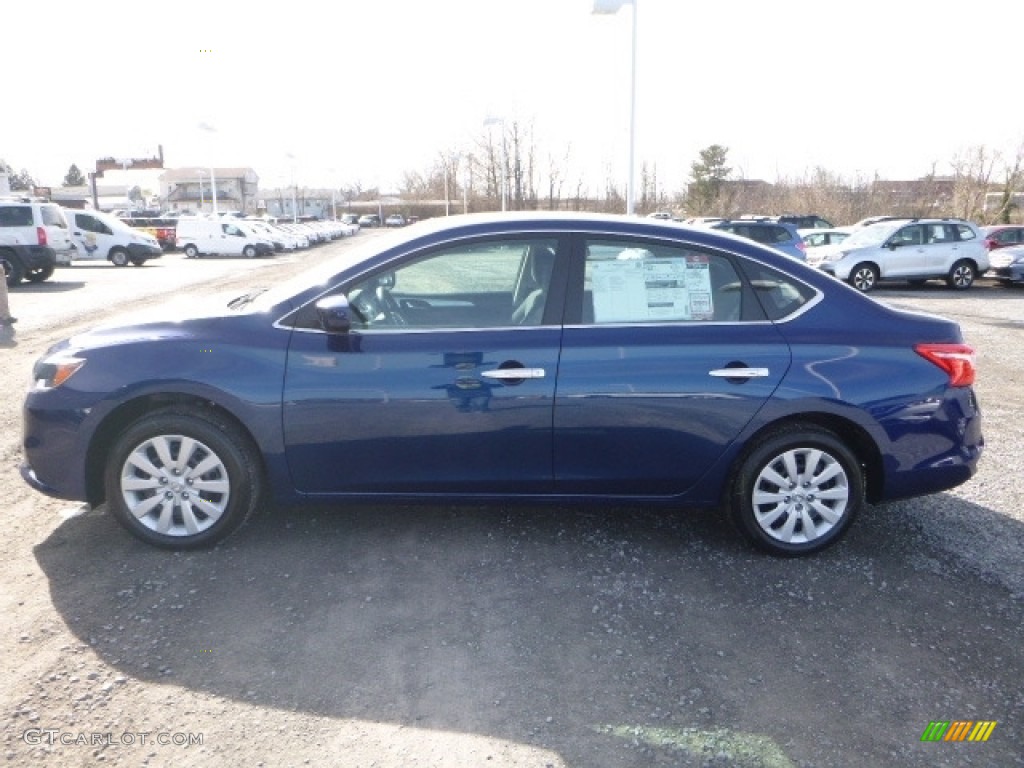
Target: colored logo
(958, 730)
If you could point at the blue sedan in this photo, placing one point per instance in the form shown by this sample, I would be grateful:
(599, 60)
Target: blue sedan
(575, 358)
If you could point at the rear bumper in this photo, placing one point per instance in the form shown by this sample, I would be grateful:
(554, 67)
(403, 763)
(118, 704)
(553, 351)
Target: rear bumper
(34, 256)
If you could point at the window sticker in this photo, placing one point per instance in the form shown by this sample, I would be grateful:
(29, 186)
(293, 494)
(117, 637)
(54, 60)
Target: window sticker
(632, 288)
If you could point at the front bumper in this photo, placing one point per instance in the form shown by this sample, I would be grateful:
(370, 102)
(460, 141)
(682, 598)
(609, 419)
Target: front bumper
(143, 251)
(1011, 274)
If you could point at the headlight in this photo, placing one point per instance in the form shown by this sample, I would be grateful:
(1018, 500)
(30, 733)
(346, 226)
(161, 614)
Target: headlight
(53, 371)
(837, 256)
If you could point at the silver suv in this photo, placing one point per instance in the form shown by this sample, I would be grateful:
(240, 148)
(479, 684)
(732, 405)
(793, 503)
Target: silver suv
(36, 237)
(907, 249)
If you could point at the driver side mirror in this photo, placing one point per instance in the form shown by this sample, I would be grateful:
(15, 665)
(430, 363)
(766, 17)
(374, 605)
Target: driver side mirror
(334, 314)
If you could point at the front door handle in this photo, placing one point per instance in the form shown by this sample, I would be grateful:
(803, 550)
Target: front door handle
(739, 373)
(514, 373)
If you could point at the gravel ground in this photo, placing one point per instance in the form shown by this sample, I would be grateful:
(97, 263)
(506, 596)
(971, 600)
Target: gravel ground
(397, 637)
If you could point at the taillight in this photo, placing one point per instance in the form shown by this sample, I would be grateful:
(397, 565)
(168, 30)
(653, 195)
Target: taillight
(990, 243)
(41, 234)
(955, 359)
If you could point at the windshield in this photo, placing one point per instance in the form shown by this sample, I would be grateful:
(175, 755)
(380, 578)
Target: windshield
(871, 235)
(265, 297)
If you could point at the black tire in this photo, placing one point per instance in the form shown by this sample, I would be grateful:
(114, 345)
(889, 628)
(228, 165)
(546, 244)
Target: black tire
(961, 275)
(228, 486)
(119, 257)
(13, 269)
(138, 261)
(800, 517)
(863, 277)
(249, 251)
(39, 275)
(191, 252)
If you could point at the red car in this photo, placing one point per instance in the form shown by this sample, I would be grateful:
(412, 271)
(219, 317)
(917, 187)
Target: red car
(1002, 235)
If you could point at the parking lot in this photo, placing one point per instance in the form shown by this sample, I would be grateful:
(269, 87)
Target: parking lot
(509, 636)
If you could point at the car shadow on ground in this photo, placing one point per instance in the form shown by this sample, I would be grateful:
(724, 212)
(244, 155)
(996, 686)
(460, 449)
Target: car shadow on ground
(53, 285)
(615, 637)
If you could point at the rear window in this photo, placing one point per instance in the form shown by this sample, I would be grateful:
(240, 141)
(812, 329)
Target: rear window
(16, 216)
(53, 216)
(779, 294)
(966, 233)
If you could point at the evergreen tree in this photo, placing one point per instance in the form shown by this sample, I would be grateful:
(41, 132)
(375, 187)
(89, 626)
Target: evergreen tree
(74, 177)
(706, 178)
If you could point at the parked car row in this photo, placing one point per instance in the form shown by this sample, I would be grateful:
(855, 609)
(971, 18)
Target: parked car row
(250, 237)
(883, 248)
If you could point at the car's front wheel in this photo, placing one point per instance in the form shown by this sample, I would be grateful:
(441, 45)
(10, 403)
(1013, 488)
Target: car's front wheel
(249, 252)
(119, 257)
(182, 480)
(863, 277)
(961, 275)
(797, 492)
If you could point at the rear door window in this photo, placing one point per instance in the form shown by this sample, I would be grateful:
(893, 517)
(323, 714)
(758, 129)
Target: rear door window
(15, 216)
(638, 282)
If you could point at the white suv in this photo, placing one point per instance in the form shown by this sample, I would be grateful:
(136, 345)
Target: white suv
(907, 249)
(41, 230)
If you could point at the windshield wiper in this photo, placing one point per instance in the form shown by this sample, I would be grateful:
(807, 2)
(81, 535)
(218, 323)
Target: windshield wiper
(244, 299)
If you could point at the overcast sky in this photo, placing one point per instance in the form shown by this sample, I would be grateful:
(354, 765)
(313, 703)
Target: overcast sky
(359, 92)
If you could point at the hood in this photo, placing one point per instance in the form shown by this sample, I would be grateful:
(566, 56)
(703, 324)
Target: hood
(178, 318)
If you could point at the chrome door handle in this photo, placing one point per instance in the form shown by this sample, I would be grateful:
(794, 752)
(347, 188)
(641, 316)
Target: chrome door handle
(514, 373)
(739, 373)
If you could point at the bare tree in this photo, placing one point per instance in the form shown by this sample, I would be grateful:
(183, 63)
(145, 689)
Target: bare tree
(1010, 189)
(972, 180)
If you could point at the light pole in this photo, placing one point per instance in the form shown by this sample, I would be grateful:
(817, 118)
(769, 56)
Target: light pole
(613, 6)
(295, 213)
(202, 200)
(334, 198)
(504, 159)
(213, 175)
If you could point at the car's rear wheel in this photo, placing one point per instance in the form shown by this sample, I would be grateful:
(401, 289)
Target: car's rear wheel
(191, 252)
(13, 271)
(961, 275)
(797, 492)
(864, 277)
(182, 481)
(119, 257)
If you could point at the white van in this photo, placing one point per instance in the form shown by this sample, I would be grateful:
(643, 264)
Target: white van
(98, 235)
(231, 237)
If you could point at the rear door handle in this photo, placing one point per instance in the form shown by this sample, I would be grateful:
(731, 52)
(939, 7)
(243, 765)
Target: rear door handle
(739, 373)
